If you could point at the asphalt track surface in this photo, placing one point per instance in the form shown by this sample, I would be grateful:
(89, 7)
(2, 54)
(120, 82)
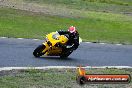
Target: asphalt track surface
(18, 53)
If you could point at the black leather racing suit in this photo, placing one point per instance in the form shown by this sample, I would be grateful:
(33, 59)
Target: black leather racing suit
(73, 41)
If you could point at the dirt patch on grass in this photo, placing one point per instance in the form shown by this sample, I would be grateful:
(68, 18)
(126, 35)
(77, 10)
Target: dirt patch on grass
(45, 8)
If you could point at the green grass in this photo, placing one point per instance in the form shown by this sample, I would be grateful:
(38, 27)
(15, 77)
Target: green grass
(54, 78)
(36, 79)
(92, 26)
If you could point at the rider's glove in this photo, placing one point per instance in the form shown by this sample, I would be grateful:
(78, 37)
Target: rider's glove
(69, 46)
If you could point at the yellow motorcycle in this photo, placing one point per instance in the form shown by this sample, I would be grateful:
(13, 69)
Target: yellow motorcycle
(50, 46)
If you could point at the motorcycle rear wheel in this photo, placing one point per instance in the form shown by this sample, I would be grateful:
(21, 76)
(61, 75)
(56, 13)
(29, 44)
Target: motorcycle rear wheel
(65, 55)
(38, 51)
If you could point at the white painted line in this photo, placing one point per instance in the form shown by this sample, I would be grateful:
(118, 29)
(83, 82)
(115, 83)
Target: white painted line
(118, 44)
(87, 42)
(102, 43)
(3, 37)
(20, 38)
(61, 67)
(108, 67)
(46, 67)
(80, 40)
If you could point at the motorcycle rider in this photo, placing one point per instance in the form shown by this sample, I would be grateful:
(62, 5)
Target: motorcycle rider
(73, 41)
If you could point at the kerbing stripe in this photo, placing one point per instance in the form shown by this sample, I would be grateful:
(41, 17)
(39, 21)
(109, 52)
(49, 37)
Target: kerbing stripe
(118, 44)
(3, 37)
(20, 38)
(61, 67)
(102, 43)
(80, 40)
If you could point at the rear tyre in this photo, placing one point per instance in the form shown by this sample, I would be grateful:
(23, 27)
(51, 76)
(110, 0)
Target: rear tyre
(66, 54)
(38, 51)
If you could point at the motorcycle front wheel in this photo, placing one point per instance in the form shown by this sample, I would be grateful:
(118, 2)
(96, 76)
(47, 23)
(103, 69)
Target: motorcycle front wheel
(38, 51)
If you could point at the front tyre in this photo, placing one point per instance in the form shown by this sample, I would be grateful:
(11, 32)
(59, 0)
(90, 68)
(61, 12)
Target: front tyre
(38, 51)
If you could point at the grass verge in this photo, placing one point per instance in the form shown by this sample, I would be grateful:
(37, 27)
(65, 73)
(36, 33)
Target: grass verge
(95, 27)
(92, 26)
(55, 78)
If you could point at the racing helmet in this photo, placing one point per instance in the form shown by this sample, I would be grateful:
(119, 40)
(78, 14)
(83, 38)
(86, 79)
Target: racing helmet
(72, 29)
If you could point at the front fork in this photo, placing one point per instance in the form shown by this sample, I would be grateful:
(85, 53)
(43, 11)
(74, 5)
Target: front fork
(47, 48)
